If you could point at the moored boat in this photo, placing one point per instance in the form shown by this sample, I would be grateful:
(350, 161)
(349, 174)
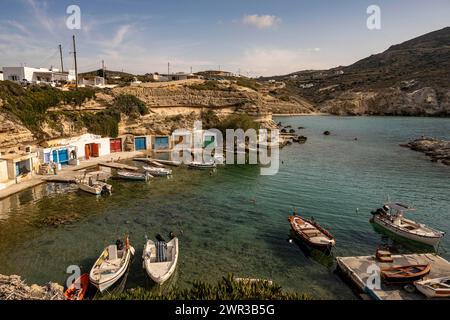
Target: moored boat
(160, 259)
(202, 165)
(434, 288)
(391, 217)
(311, 233)
(78, 289)
(133, 176)
(111, 265)
(94, 187)
(155, 171)
(405, 274)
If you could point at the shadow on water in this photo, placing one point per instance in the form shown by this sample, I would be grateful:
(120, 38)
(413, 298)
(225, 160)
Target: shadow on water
(324, 258)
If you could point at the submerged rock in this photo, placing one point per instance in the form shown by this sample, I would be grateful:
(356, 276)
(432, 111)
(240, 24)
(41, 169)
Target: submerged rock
(60, 220)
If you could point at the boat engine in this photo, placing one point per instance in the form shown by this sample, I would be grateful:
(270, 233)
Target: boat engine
(119, 244)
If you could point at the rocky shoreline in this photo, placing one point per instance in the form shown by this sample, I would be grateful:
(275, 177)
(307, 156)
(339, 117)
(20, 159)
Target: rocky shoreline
(14, 288)
(437, 150)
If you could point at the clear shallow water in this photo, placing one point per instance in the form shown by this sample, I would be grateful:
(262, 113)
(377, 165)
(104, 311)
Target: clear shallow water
(222, 230)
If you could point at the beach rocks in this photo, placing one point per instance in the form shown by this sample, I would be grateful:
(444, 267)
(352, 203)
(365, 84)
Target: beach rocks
(327, 133)
(14, 288)
(437, 150)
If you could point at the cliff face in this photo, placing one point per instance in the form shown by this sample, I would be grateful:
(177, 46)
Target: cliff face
(172, 106)
(391, 101)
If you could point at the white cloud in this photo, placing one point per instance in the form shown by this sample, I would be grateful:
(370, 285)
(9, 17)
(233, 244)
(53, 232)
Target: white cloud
(261, 21)
(120, 35)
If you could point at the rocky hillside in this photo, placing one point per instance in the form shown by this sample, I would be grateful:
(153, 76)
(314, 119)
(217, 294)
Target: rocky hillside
(411, 78)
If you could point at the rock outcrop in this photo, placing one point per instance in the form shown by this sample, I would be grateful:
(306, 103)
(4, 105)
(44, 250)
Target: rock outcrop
(14, 288)
(437, 150)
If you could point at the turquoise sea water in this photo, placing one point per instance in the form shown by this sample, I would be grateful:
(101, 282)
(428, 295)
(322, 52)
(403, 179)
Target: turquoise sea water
(236, 220)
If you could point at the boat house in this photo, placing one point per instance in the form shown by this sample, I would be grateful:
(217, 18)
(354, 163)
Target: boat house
(72, 150)
(19, 166)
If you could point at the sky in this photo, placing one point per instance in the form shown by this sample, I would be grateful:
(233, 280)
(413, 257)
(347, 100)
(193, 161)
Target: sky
(255, 37)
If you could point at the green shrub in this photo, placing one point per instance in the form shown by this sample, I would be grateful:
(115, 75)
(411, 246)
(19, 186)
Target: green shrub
(130, 105)
(237, 121)
(225, 289)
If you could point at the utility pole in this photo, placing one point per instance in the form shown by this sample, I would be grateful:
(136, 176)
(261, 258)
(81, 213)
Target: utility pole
(168, 71)
(103, 68)
(75, 58)
(61, 56)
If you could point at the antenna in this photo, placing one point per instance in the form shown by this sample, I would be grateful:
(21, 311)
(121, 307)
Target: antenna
(61, 57)
(75, 59)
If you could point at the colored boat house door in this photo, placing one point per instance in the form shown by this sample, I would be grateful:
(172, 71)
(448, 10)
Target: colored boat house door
(61, 156)
(116, 145)
(161, 143)
(140, 143)
(91, 150)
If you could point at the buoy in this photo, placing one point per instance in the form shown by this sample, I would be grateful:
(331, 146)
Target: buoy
(290, 240)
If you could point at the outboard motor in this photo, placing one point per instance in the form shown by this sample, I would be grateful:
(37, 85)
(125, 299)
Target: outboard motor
(119, 244)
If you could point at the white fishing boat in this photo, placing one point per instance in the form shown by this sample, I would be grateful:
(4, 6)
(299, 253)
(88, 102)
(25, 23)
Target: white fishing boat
(202, 165)
(159, 172)
(391, 217)
(133, 176)
(95, 187)
(111, 265)
(160, 259)
(434, 288)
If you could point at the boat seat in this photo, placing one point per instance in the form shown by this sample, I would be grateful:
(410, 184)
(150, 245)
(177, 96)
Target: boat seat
(112, 252)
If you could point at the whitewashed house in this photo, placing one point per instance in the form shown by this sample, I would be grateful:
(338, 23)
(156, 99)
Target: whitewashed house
(37, 75)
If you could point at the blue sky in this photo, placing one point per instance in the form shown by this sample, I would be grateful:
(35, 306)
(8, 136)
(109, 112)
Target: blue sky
(259, 37)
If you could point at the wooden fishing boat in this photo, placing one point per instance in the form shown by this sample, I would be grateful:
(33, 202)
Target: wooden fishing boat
(133, 176)
(311, 233)
(78, 289)
(434, 288)
(202, 165)
(391, 217)
(160, 259)
(111, 265)
(159, 172)
(405, 274)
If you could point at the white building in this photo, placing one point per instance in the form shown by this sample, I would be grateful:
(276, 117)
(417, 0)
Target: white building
(1, 75)
(36, 75)
(72, 150)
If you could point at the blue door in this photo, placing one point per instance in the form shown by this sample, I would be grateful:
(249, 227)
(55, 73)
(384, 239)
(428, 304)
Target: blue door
(140, 143)
(161, 143)
(63, 156)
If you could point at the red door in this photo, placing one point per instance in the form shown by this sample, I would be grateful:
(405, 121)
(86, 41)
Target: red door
(94, 150)
(116, 145)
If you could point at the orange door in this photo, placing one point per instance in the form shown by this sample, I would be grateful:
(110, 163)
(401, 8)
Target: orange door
(87, 151)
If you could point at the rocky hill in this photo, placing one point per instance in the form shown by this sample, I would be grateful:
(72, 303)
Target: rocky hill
(411, 78)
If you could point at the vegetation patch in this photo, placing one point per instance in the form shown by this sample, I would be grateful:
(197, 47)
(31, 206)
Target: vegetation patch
(31, 105)
(225, 289)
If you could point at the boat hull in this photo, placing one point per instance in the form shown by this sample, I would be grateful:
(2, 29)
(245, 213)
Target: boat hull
(395, 276)
(103, 285)
(83, 281)
(308, 241)
(91, 190)
(157, 277)
(425, 288)
(431, 241)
